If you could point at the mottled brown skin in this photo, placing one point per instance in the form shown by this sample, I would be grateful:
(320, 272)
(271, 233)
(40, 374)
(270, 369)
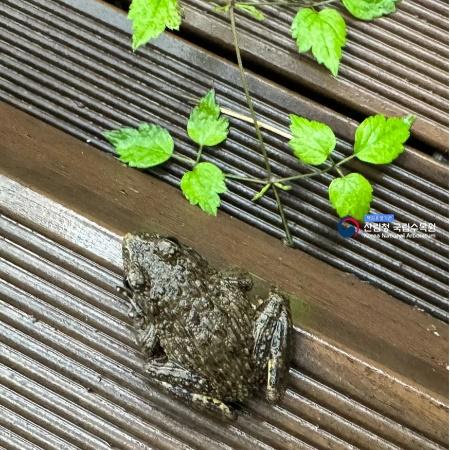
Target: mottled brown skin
(203, 339)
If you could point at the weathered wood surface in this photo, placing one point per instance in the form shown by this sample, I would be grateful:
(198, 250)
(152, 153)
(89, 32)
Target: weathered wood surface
(368, 370)
(70, 64)
(394, 65)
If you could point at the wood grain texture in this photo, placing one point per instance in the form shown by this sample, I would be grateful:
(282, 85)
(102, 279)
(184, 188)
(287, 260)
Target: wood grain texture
(340, 305)
(56, 68)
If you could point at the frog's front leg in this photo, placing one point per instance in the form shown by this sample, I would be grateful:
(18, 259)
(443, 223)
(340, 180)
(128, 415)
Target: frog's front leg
(147, 339)
(145, 331)
(188, 386)
(272, 335)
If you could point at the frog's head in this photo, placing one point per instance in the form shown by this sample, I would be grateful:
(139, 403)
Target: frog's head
(153, 261)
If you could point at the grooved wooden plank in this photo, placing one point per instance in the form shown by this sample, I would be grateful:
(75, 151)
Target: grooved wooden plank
(66, 340)
(393, 65)
(64, 73)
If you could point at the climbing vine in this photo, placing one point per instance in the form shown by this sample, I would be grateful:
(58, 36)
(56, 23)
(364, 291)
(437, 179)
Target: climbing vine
(317, 28)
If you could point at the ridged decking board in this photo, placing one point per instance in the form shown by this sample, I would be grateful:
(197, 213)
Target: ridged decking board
(394, 65)
(70, 374)
(69, 62)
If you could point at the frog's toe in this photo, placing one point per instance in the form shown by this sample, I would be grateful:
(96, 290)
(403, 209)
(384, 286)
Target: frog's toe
(188, 386)
(214, 405)
(201, 402)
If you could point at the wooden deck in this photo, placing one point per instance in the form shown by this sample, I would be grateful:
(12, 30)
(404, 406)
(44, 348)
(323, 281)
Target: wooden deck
(367, 368)
(370, 369)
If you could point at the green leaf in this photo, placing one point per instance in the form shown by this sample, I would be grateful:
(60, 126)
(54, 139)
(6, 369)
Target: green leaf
(143, 147)
(205, 125)
(369, 9)
(312, 142)
(202, 185)
(151, 17)
(379, 140)
(351, 195)
(251, 10)
(321, 32)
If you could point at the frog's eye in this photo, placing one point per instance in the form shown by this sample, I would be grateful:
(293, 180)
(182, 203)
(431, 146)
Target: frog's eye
(134, 280)
(168, 246)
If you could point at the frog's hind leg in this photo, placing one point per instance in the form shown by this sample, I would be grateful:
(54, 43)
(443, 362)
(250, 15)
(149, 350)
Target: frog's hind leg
(272, 334)
(187, 386)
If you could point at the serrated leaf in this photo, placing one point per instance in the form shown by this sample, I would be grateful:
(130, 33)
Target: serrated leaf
(323, 33)
(202, 185)
(379, 140)
(251, 10)
(205, 125)
(369, 9)
(312, 142)
(351, 195)
(146, 146)
(151, 17)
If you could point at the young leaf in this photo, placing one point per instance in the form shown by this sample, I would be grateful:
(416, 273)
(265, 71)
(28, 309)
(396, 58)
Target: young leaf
(261, 193)
(351, 195)
(321, 32)
(311, 141)
(369, 9)
(251, 10)
(379, 140)
(202, 185)
(151, 17)
(205, 125)
(147, 146)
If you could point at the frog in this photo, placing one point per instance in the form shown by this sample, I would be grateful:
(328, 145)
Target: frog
(202, 338)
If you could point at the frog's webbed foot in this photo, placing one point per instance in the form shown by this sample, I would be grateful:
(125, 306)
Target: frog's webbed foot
(188, 386)
(272, 333)
(241, 278)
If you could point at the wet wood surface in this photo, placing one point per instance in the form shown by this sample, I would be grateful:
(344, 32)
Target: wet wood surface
(351, 336)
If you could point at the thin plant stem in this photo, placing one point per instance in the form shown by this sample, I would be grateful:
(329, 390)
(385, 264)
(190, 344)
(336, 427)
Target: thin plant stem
(199, 154)
(318, 172)
(339, 171)
(243, 178)
(247, 91)
(288, 3)
(262, 125)
(185, 159)
(304, 175)
(343, 161)
(256, 124)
